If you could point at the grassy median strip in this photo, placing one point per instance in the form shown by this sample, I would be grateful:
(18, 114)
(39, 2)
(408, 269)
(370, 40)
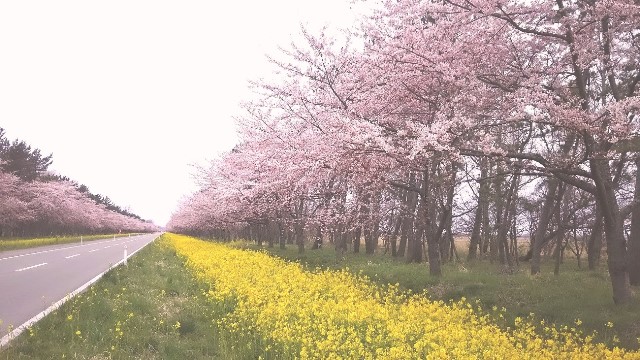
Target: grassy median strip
(19, 243)
(152, 309)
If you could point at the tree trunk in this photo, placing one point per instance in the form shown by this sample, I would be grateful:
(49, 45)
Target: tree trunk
(445, 238)
(372, 244)
(443, 245)
(408, 218)
(496, 250)
(616, 247)
(634, 237)
(543, 223)
(474, 241)
(594, 244)
(299, 225)
(559, 239)
(558, 254)
(368, 240)
(299, 236)
(453, 252)
(317, 240)
(282, 239)
(341, 243)
(366, 223)
(290, 239)
(514, 239)
(375, 236)
(416, 234)
(271, 232)
(356, 239)
(486, 230)
(433, 250)
(406, 227)
(259, 234)
(433, 253)
(414, 246)
(394, 237)
(508, 212)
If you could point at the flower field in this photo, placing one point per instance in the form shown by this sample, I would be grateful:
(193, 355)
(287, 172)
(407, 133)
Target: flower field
(336, 315)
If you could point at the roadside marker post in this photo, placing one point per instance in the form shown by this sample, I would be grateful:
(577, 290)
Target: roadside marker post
(125, 255)
(80, 239)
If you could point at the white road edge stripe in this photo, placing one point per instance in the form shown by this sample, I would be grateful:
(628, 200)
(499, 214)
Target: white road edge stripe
(31, 267)
(71, 256)
(17, 331)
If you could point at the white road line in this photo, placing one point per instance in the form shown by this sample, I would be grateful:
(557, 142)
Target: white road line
(71, 256)
(94, 250)
(5, 339)
(106, 247)
(93, 242)
(31, 267)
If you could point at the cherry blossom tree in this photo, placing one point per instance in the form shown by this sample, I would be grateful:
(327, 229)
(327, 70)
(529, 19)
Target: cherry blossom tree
(13, 207)
(371, 134)
(56, 208)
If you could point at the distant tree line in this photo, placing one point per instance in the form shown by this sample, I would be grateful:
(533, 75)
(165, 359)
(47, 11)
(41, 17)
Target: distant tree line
(35, 202)
(19, 159)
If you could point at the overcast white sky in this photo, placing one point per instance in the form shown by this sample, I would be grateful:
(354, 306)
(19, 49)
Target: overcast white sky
(128, 94)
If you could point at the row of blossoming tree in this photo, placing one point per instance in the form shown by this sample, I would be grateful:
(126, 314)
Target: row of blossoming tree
(493, 118)
(34, 202)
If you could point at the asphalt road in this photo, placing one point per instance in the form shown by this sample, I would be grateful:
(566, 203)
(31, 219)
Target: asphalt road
(31, 280)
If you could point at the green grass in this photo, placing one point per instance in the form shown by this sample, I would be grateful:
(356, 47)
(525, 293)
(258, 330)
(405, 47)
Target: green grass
(24, 243)
(152, 309)
(574, 294)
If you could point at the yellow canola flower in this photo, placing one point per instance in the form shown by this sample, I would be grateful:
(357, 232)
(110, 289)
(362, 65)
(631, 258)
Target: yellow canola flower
(338, 315)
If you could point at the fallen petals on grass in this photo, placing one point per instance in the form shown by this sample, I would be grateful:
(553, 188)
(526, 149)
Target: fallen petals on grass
(338, 315)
